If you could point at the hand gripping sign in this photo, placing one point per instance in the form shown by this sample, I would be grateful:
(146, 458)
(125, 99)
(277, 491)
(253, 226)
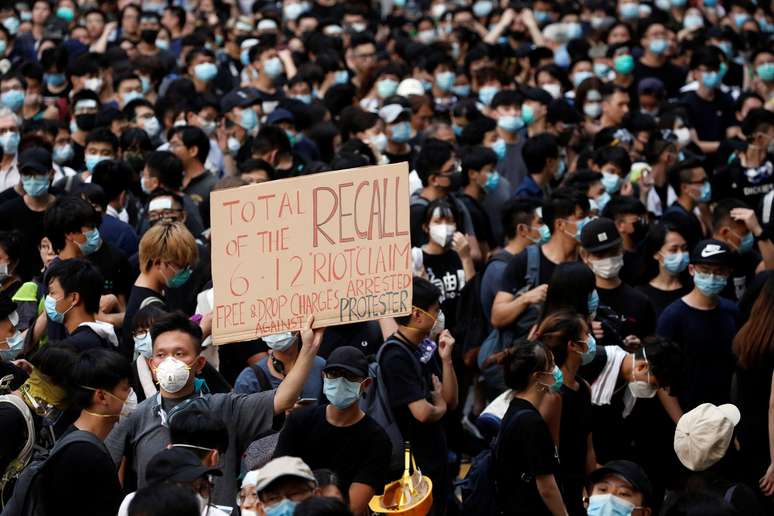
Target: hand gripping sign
(334, 245)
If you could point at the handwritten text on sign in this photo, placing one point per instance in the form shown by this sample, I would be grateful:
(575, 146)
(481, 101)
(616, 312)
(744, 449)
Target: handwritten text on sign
(333, 245)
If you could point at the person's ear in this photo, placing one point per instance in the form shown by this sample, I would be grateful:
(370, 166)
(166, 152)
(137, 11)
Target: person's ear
(76, 299)
(367, 383)
(193, 151)
(200, 363)
(646, 511)
(213, 458)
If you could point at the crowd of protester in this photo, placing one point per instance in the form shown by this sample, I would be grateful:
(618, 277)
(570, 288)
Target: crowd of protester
(592, 219)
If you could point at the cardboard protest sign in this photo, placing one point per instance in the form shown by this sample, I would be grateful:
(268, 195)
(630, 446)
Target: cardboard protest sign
(334, 245)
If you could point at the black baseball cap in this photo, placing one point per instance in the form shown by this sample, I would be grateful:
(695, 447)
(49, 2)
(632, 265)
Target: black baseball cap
(36, 160)
(241, 97)
(177, 465)
(348, 358)
(600, 235)
(712, 252)
(630, 472)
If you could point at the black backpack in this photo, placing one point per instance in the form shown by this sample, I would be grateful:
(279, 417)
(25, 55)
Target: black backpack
(26, 496)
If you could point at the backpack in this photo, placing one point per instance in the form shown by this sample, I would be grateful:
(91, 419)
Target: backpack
(17, 465)
(498, 340)
(475, 328)
(479, 487)
(24, 501)
(376, 402)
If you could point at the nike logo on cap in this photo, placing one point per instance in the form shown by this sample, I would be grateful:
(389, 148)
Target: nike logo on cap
(711, 250)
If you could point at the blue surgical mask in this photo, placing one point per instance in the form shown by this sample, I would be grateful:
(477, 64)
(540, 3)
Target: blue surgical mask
(341, 392)
(130, 96)
(746, 244)
(510, 123)
(273, 67)
(542, 17)
(527, 114)
(500, 148)
(386, 88)
(492, 182)
(55, 79)
(284, 508)
(487, 93)
(143, 345)
(601, 70)
(710, 80)
(658, 46)
(602, 200)
(593, 302)
(727, 47)
(579, 77)
(179, 278)
(444, 80)
(611, 182)
(162, 44)
(482, 8)
(675, 263)
(12, 99)
(35, 186)
(305, 98)
(205, 72)
(630, 11)
(709, 284)
(740, 19)
(66, 13)
(705, 194)
(92, 160)
(93, 241)
(12, 25)
(545, 234)
(558, 380)
(461, 90)
(15, 344)
(342, 77)
(3, 47)
(765, 72)
(51, 312)
(248, 120)
(624, 64)
(10, 142)
(609, 505)
(401, 132)
(588, 355)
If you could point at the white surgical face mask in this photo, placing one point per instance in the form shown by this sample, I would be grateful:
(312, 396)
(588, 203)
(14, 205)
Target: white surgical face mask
(130, 405)
(439, 325)
(607, 267)
(553, 89)
(172, 374)
(441, 233)
(640, 389)
(279, 341)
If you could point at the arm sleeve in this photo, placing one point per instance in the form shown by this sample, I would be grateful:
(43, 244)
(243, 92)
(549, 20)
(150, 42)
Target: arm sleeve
(287, 438)
(252, 415)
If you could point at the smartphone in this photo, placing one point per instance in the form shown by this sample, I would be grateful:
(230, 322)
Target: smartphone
(306, 401)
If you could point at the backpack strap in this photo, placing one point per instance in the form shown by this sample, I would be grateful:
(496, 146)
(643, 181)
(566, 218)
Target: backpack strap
(151, 300)
(533, 266)
(263, 382)
(730, 494)
(20, 462)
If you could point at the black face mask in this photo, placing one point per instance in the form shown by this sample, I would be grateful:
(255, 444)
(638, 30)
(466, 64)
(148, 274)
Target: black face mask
(149, 36)
(86, 122)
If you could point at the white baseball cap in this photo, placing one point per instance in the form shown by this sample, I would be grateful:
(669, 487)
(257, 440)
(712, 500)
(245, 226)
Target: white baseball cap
(410, 86)
(282, 467)
(703, 435)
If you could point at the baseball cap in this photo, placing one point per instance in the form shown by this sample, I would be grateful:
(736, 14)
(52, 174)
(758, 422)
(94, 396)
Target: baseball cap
(36, 160)
(391, 112)
(702, 435)
(410, 87)
(712, 252)
(651, 85)
(282, 467)
(348, 358)
(600, 235)
(177, 465)
(280, 115)
(241, 97)
(630, 472)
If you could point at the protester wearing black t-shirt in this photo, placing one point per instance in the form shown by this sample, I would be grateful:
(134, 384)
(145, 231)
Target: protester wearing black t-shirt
(734, 223)
(347, 440)
(625, 313)
(664, 249)
(422, 386)
(655, 60)
(526, 460)
(689, 181)
(479, 177)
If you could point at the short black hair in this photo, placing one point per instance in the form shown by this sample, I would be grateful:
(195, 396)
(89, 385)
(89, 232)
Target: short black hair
(425, 295)
(522, 360)
(68, 214)
(518, 211)
(166, 167)
(193, 137)
(538, 150)
(177, 321)
(12, 242)
(56, 361)
(269, 138)
(198, 428)
(705, 56)
(78, 275)
(562, 204)
(665, 358)
(721, 213)
(97, 368)
(165, 498)
(757, 120)
(507, 98)
(569, 288)
(475, 158)
(102, 135)
(681, 173)
(474, 131)
(113, 176)
(433, 154)
(614, 154)
(621, 205)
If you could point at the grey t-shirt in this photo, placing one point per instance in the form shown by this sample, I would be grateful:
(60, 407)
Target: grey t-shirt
(142, 435)
(512, 167)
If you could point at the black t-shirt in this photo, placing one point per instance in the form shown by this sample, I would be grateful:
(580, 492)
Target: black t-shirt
(514, 275)
(184, 298)
(136, 298)
(752, 398)
(687, 223)
(15, 214)
(399, 158)
(628, 312)
(742, 275)
(524, 451)
(199, 189)
(404, 386)
(83, 338)
(710, 119)
(445, 272)
(358, 453)
(366, 336)
(113, 264)
(661, 299)
(672, 76)
(574, 430)
(82, 479)
(631, 272)
(737, 182)
(481, 223)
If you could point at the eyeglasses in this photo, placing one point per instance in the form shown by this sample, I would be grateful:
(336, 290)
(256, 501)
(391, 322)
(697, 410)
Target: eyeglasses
(341, 373)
